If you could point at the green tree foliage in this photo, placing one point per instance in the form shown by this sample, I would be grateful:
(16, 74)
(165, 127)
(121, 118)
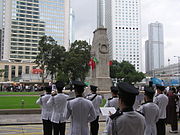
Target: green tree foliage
(76, 62)
(50, 56)
(126, 72)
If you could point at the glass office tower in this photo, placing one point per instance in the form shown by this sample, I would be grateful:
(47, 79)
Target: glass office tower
(25, 21)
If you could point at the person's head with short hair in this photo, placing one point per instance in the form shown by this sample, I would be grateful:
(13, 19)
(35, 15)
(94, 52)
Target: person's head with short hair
(149, 94)
(127, 95)
(114, 91)
(59, 86)
(78, 86)
(48, 89)
(160, 89)
(93, 88)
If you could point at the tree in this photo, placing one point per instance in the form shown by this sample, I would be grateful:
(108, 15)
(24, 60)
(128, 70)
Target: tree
(126, 72)
(46, 45)
(76, 62)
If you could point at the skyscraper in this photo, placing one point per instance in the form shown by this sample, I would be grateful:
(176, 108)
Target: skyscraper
(23, 22)
(154, 47)
(72, 26)
(123, 23)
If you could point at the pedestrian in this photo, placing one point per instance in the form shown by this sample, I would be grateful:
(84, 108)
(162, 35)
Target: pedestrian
(150, 111)
(161, 100)
(114, 100)
(171, 111)
(96, 101)
(126, 121)
(81, 111)
(59, 104)
(46, 111)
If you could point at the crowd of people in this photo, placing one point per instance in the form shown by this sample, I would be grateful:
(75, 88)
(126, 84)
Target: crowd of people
(149, 118)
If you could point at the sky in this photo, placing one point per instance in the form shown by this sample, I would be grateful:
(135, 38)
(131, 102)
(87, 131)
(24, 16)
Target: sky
(166, 12)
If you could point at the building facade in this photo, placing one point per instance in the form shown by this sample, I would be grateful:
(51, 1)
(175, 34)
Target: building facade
(123, 23)
(72, 26)
(154, 47)
(23, 22)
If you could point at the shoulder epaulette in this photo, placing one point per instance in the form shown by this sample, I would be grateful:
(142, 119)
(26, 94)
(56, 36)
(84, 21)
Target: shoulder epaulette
(42, 95)
(116, 114)
(89, 94)
(140, 113)
(110, 98)
(70, 99)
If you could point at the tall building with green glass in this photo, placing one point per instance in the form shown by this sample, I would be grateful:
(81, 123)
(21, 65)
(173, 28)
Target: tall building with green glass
(23, 22)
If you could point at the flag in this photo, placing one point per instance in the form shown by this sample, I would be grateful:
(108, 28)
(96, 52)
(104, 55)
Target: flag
(95, 60)
(92, 64)
(110, 63)
(37, 71)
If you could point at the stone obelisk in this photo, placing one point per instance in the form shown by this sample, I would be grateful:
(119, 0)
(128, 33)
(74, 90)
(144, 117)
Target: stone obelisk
(100, 75)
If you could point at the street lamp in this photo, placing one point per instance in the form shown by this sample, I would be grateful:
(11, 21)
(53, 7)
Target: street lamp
(178, 68)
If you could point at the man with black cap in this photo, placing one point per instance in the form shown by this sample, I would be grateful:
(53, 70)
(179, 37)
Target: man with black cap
(81, 111)
(59, 104)
(150, 111)
(162, 101)
(126, 121)
(114, 100)
(46, 111)
(96, 101)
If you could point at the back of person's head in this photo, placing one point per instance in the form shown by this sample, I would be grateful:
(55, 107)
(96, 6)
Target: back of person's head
(59, 85)
(127, 93)
(114, 90)
(93, 88)
(78, 87)
(48, 89)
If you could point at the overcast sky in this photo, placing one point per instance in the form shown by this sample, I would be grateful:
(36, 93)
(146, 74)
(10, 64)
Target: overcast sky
(166, 12)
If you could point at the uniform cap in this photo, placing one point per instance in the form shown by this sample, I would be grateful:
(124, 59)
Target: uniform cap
(78, 84)
(127, 89)
(93, 88)
(149, 91)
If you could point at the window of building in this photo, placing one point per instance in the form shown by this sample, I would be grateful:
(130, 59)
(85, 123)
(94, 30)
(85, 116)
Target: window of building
(13, 70)
(6, 72)
(19, 71)
(27, 70)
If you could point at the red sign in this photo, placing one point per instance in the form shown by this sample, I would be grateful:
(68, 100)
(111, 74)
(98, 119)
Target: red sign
(37, 71)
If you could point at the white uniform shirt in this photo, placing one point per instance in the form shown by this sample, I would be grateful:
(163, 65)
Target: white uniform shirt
(151, 113)
(129, 123)
(112, 102)
(59, 104)
(162, 101)
(96, 102)
(46, 111)
(81, 111)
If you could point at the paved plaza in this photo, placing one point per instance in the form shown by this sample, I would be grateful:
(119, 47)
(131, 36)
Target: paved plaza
(31, 125)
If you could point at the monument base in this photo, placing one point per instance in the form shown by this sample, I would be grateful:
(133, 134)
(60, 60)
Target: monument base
(103, 84)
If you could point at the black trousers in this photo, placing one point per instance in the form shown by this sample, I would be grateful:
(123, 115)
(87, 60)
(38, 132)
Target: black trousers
(94, 126)
(161, 127)
(47, 127)
(59, 128)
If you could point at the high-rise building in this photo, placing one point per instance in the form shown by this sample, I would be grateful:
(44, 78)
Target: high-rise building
(123, 23)
(23, 22)
(72, 26)
(154, 47)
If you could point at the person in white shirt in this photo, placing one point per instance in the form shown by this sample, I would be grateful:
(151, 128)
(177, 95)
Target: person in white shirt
(81, 111)
(96, 101)
(59, 104)
(150, 111)
(162, 101)
(126, 121)
(46, 111)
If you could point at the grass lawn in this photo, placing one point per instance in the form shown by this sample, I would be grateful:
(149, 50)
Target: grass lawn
(20, 93)
(14, 102)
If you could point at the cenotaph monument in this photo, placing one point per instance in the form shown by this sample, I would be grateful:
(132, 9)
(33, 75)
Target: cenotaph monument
(100, 75)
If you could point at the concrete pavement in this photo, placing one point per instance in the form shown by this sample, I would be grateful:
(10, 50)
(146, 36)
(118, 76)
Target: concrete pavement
(31, 124)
